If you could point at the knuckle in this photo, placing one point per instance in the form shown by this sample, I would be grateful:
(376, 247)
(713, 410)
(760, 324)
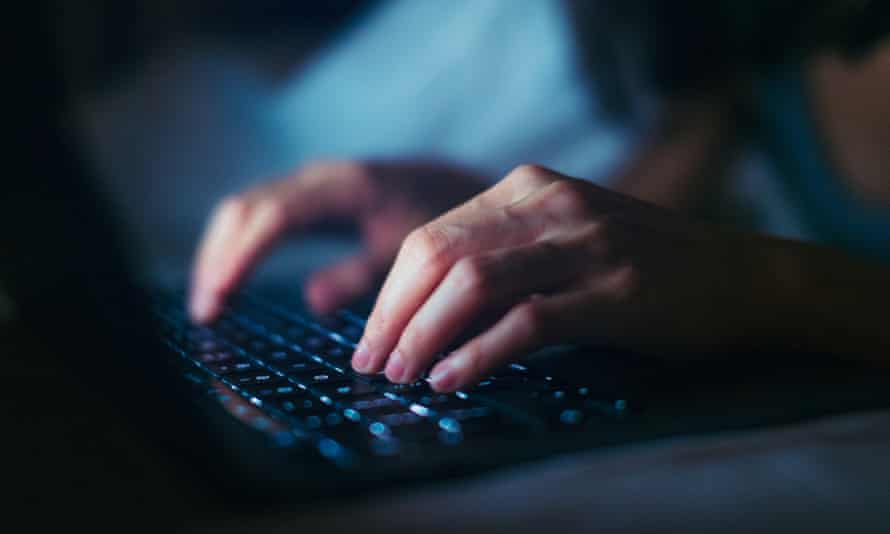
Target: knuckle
(624, 283)
(478, 204)
(472, 274)
(233, 206)
(354, 168)
(556, 250)
(429, 243)
(316, 167)
(530, 319)
(568, 198)
(360, 177)
(355, 172)
(273, 212)
(597, 235)
(529, 174)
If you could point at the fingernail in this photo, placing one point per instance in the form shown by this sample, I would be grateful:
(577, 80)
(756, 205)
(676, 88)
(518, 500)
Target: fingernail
(395, 369)
(201, 307)
(443, 378)
(361, 358)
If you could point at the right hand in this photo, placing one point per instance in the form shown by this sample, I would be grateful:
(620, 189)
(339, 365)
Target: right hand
(386, 200)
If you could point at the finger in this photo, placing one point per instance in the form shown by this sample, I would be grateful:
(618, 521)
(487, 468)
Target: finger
(204, 302)
(246, 227)
(429, 252)
(248, 237)
(598, 311)
(527, 327)
(336, 285)
(423, 261)
(475, 285)
(327, 190)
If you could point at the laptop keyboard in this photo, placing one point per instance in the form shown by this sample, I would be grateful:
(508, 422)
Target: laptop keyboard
(295, 369)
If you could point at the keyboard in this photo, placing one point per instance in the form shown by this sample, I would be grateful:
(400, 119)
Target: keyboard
(294, 369)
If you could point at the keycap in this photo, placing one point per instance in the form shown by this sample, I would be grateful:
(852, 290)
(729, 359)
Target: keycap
(324, 378)
(295, 333)
(336, 353)
(208, 345)
(300, 406)
(375, 403)
(411, 391)
(238, 365)
(352, 332)
(442, 401)
(215, 357)
(400, 418)
(374, 439)
(343, 390)
(314, 342)
(298, 369)
(282, 356)
(417, 431)
(513, 383)
(479, 421)
(262, 377)
(342, 328)
(276, 391)
(571, 417)
(240, 338)
(258, 346)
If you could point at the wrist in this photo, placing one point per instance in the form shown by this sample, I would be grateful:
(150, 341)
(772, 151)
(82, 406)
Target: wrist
(818, 300)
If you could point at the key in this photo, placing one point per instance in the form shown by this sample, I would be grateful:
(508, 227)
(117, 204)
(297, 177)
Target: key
(375, 403)
(234, 366)
(351, 389)
(261, 377)
(215, 357)
(300, 405)
(300, 369)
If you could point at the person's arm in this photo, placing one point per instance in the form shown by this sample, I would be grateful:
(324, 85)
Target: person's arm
(682, 153)
(560, 260)
(823, 300)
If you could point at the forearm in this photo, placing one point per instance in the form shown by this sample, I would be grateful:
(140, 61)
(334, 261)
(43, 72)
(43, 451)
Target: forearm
(683, 150)
(816, 299)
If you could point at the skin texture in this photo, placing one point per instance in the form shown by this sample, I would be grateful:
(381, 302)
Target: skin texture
(385, 200)
(542, 258)
(567, 261)
(551, 259)
(561, 260)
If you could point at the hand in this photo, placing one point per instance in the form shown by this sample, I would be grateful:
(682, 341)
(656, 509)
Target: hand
(385, 199)
(558, 260)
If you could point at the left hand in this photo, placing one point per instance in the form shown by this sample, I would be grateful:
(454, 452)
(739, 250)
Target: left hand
(559, 260)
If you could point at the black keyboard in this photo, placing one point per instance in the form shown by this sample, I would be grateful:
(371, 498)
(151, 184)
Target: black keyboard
(295, 369)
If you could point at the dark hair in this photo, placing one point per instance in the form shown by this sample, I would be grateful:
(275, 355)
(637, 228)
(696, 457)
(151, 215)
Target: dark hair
(783, 29)
(684, 45)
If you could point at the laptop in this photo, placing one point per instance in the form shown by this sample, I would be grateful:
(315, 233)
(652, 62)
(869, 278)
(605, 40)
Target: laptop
(264, 400)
